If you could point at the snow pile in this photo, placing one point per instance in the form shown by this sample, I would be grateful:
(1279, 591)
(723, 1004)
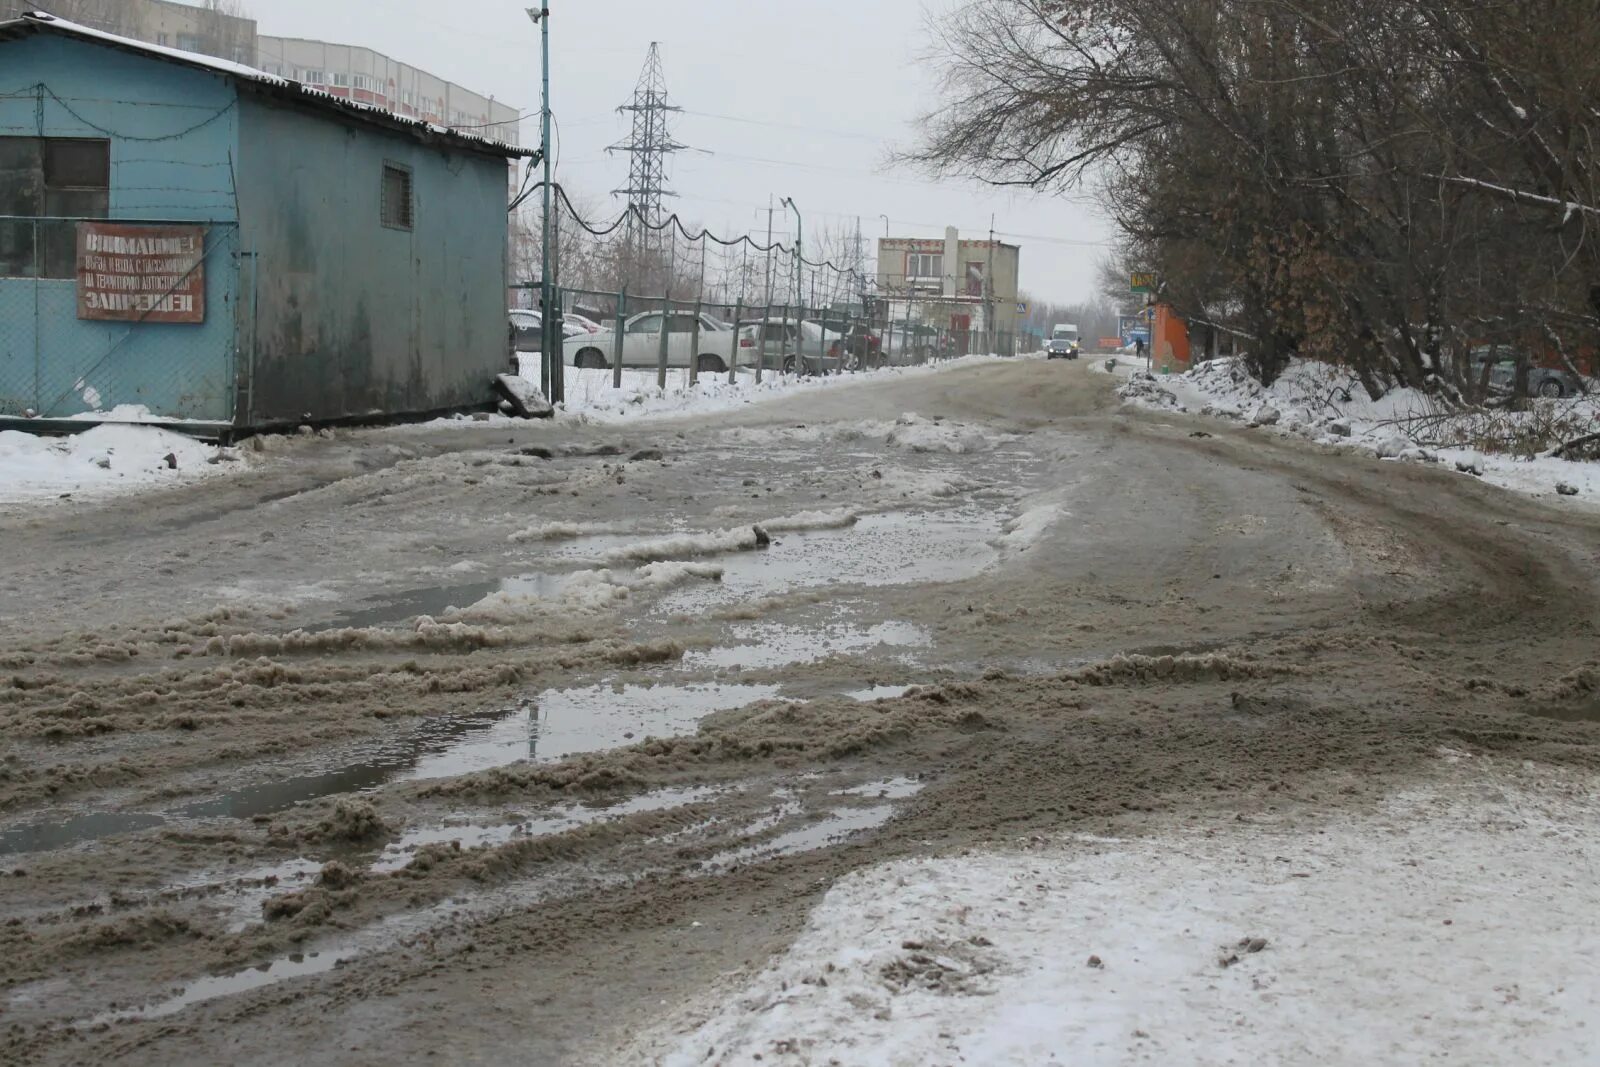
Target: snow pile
(106, 459)
(917, 434)
(1351, 938)
(556, 531)
(1143, 389)
(666, 574)
(698, 543)
(1028, 528)
(580, 593)
(1326, 404)
(837, 519)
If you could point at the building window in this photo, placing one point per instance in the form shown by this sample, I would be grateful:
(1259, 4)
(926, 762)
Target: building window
(396, 208)
(46, 184)
(188, 42)
(163, 40)
(341, 80)
(921, 266)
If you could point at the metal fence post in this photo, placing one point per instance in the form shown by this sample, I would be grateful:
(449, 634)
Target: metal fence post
(558, 337)
(661, 345)
(761, 341)
(616, 340)
(733, 353)
(800, 343)
(694, 343)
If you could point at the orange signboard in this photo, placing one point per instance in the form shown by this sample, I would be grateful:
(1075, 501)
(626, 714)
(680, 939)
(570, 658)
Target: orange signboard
(136, 273)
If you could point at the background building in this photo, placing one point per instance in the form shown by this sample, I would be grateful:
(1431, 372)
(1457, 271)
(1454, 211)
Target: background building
(966, 287)
(209, 29)
(346, 71)
(369, 77)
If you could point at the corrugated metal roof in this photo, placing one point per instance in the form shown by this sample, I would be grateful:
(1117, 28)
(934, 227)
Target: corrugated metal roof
(34, 22)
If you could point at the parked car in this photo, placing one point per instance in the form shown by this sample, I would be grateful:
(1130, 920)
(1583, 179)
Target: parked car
(526, 327)
(857, 348)
(792, 347)
(641, 340)
(915, 343)
(588, 325)
(1549, 382)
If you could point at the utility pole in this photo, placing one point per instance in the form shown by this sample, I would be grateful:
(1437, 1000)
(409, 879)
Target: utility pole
(799, 248)
(549, 331)
(988, 286)
(770, 210)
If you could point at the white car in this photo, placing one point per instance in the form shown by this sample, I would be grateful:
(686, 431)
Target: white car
(526, 327)
(641, 343)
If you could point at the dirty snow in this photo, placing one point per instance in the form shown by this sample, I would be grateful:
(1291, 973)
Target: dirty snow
(590, 393)
(1455, 918)
(104, 460)
(1324, 403)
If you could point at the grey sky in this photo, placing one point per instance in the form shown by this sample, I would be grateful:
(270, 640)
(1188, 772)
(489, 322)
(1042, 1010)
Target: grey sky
(846, 71)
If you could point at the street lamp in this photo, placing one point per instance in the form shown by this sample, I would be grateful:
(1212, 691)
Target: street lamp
(799, 254)
(885, 219)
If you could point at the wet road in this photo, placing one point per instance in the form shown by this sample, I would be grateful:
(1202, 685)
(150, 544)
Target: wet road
(410, 745)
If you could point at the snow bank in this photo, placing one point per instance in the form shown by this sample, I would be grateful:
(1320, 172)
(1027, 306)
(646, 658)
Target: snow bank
(1324, 403)
(591, 394)
(106, 459)
(1454, 919)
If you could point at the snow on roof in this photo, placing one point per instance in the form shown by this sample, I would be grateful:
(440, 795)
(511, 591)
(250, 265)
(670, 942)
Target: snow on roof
(39, 22)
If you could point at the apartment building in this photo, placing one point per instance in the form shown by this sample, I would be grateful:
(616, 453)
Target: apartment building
(208, 30)
(369, 77)
(347, 71)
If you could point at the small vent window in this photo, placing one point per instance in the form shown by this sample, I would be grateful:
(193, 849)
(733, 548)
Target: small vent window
(398, 213)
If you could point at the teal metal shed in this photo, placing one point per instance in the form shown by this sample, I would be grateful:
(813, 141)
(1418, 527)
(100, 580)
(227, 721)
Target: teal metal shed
(228, 250)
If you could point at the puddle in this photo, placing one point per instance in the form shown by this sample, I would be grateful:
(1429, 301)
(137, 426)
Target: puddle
(835, 826)
(559, 723)
(888, 789)
(830, 830)
(399, 854)
(879, 692)
(898, 548)
(781, 645)
(436, 600)
(565, 721)
(227, 985)
(41, 837)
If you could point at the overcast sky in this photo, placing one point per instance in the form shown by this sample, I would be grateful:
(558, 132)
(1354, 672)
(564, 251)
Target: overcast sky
(794, 99)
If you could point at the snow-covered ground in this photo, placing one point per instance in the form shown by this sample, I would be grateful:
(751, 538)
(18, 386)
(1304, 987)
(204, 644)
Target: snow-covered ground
(1455, 919)
(115, 457)
(1326, 404)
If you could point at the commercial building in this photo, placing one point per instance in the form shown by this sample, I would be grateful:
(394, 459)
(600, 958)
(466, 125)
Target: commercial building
(228, 248)
(968, 288)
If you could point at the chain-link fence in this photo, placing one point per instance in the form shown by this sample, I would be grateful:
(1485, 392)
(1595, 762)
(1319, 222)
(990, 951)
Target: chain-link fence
(97, 315)
(613, 339)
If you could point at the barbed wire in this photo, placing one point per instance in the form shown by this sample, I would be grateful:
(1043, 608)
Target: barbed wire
(675, 222)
